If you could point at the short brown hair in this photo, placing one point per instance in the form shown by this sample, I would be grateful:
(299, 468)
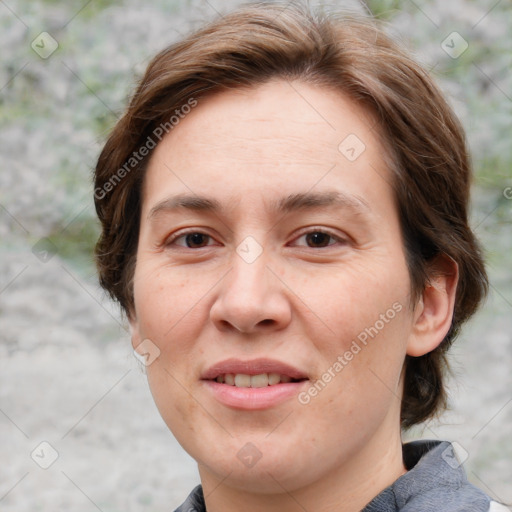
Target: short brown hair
(255, 43)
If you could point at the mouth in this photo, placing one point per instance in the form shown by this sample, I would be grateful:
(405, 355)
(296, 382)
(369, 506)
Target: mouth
(253, 385)
(262, 380)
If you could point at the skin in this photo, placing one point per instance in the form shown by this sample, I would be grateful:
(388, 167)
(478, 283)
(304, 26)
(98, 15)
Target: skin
(301, 302)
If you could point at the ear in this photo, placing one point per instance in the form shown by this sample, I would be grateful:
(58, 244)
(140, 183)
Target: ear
(434, 311)
(134, 329)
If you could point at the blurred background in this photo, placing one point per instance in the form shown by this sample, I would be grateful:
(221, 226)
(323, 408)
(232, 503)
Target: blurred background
(73, 398)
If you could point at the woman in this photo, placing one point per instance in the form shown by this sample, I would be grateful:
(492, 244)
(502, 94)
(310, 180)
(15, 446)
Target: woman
(284, 214)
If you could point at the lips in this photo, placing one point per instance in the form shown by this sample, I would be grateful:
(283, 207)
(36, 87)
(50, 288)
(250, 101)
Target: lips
(255, 384)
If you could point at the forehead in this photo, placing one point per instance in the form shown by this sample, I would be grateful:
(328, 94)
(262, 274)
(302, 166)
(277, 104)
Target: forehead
(280, 136)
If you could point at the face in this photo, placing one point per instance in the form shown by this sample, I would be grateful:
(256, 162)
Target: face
(272, 281)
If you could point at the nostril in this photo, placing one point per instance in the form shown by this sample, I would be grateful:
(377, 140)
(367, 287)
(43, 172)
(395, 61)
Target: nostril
(227, 325)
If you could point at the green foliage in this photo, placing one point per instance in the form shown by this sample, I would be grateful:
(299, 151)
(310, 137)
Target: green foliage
(75, 242)
(384, 9)
(87, 9)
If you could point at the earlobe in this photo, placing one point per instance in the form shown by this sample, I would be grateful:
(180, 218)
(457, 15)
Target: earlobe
(434, 311)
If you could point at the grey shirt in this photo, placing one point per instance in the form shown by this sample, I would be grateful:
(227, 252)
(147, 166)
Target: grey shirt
(435, 482)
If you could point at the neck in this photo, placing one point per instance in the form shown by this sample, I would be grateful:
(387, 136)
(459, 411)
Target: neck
(344, 489)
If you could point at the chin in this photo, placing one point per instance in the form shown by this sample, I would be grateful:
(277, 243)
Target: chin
(259, 467)
(263, 478)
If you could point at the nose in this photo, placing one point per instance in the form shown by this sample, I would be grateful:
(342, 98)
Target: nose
(251, 300)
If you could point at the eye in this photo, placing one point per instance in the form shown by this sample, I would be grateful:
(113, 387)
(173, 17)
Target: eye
(317, 239)
(191, 240)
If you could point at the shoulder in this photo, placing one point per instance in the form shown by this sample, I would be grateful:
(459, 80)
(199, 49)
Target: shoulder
(436, 481)
(194, 502)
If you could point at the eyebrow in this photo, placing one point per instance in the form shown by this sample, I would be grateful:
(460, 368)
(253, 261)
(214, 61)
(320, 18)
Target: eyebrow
(290, 203)
(188, 202)
(307, 200)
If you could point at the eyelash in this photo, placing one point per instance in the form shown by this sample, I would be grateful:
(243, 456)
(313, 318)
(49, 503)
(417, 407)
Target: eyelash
(337, 239)
(182, 234)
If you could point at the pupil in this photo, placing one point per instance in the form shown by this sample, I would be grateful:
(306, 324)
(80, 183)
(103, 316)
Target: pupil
(195, 239)
(318, 239)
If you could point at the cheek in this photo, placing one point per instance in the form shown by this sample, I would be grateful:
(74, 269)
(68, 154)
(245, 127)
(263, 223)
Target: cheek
(360, 333)
(169, 313)
(348, 300)
(166, 303)
(165, 383)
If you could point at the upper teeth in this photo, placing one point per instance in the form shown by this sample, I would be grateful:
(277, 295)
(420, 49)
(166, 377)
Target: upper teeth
(262, 380)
